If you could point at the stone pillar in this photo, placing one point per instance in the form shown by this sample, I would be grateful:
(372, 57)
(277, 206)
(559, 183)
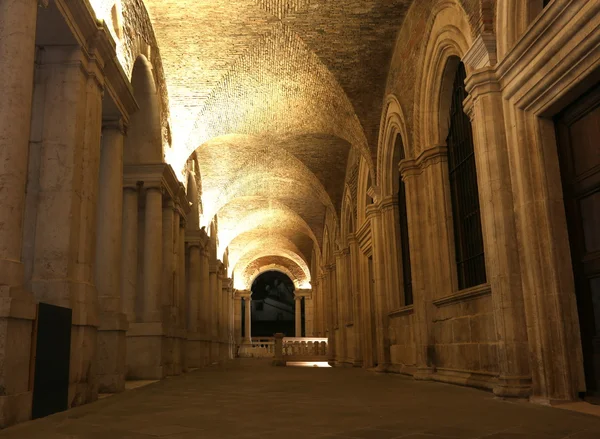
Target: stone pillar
(382, 346)
(219, 310)
(485, 107)
(390, 226)
(17, 52)
(230, 336)
(298, 316)
(180, 340)
(181, 274)
(248, 328)
(423, 282)
(65, 235)
(193, 286)
(113, 323)
(354, 306)
(222, 291)
(169, 301)
(129, 252)
(153, 254)
(237, 319)
(214, 318)
(204, 305)
(340, 304)
(309, 316)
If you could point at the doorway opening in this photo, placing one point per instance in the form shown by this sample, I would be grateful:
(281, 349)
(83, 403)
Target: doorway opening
(273, 305)
(578, 131)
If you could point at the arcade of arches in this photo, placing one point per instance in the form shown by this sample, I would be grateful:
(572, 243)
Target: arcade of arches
(425, 172)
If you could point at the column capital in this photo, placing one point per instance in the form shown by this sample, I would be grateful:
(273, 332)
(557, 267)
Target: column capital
(115, 125)
(389, 202)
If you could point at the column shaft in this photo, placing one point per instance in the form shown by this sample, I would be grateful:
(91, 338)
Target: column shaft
(110, 220)
(193, 287)
(248, 328)
(298, 316)
(129, 252)
(153, 254)
(113, 323)
(17, 52)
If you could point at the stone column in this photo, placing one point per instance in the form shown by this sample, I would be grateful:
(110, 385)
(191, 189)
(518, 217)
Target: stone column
(17, 52)
(205, 303)
(65, 231)
(418, 220)
(193, 286)
(230, 336)
(298, 316)
(222, 291)
(181, 274)
(503, 268)
(214, 318)
(390, 226)
(309, 315)
(354, 307)
(168, 298)
(153, 254)
(382, 346)
(113, 323)
(237, 319)
(129, 252)
(248, 328)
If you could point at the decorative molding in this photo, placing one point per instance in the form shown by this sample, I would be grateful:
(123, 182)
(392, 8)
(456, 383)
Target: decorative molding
(404, 311)
(482, 52)
(464, 295)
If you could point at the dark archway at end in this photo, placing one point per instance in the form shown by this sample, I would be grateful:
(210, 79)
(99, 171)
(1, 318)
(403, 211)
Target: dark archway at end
(272, 305)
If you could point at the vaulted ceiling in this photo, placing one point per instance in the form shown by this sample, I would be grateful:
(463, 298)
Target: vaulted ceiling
(273, 95)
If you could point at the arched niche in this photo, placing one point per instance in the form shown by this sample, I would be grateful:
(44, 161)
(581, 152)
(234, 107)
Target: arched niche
(144, 138)
(392, 148)
(449, 39)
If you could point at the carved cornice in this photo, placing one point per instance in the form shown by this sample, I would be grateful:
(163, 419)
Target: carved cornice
(93, 36)
(389, 202)
(197, 238)
(158, 175)
(432, 156)
(115, 125)
(482, 52)
(408, 168)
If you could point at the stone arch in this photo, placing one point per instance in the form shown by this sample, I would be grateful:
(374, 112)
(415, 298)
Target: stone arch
(513, 18)
(144, 139)
(449, 39)
(348, 223)
(393, 127)
(364, 183)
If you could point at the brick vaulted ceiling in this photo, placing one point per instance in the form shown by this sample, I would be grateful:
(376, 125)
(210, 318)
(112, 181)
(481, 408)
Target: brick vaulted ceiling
(272, 95)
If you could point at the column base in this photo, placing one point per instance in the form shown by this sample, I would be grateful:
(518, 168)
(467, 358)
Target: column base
(17, 312)
(146, 346)
(424, 373)
(83, 382)
(112, 353)
(513, 387)
(15, 409)
(197, 350)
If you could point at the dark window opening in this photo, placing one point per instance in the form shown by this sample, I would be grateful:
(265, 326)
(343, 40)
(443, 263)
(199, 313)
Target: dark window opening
(404, 240)
(468, 237)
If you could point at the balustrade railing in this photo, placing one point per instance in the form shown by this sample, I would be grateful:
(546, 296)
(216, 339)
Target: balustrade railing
(300, 349)
(263, 347)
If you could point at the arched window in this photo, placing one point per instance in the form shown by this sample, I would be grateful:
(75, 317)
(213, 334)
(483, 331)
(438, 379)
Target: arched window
(404, 242)
(468, 238)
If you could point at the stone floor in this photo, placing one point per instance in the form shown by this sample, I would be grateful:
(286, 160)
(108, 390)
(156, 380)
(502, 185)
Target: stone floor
(250, 399)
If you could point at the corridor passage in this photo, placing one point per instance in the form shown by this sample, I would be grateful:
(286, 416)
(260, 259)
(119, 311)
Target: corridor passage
(251, 399)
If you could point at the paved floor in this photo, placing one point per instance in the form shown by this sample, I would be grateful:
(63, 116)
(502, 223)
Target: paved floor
(250, 399)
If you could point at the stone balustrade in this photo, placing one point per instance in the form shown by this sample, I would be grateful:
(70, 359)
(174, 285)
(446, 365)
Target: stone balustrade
(300, 349)
(263, 347)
